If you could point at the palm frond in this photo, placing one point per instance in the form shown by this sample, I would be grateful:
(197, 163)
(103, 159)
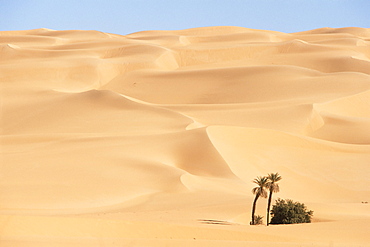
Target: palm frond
(274, 177)
(263, 194)
(260, 190)
(275, 188)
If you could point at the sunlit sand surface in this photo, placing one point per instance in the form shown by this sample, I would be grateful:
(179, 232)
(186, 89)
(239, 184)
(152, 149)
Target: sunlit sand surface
(154, 138)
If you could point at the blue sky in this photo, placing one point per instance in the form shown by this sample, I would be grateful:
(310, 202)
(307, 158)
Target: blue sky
(128, 16)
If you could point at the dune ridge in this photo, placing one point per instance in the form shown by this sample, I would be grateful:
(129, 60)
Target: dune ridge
(153, 138)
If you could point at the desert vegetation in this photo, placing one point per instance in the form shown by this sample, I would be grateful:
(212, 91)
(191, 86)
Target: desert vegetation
(290, 212)
(284, 211)
(258, 220)
(259, 191)
(273, 187)
(265, 183)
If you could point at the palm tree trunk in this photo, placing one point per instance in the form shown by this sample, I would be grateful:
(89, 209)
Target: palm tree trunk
(268, 208)
(254, 208)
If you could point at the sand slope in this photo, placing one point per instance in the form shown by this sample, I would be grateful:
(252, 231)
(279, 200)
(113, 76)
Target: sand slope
(153, 138)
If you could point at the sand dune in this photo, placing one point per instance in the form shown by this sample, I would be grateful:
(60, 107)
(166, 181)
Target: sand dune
(237, 85)
(153, 138)
(88, 112)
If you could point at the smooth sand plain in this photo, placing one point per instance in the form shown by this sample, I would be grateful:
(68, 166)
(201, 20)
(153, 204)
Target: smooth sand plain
(151, 138)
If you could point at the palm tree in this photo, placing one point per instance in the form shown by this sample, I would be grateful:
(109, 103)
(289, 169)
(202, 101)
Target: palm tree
(259, 191)
(273, 187)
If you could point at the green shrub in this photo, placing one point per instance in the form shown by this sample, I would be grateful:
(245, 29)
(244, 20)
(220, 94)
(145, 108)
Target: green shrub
(289, 212)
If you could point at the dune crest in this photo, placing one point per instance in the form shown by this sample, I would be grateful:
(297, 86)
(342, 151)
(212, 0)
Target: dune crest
(153, 138)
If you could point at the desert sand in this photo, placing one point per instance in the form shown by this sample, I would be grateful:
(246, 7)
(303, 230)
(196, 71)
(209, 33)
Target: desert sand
(154, 138)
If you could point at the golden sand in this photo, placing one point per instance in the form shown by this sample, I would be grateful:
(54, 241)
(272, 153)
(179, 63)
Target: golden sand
(153, 138)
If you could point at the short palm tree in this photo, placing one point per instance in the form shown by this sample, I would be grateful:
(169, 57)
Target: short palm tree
(273, 187)
(259, 191)
(258, 220)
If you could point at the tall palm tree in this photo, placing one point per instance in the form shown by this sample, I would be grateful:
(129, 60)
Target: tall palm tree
(259, 191)
(273, 187)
